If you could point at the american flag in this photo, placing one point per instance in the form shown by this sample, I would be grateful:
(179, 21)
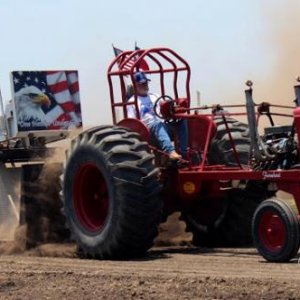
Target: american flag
(62, 88)
(142, 64)
(117, 51)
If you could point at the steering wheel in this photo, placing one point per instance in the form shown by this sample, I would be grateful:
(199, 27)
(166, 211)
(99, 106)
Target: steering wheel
(166, 112)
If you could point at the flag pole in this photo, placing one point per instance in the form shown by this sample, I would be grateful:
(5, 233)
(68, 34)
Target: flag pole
(3, 120)
(198, 98)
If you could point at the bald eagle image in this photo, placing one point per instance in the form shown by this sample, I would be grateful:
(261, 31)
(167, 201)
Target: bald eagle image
(29, 101)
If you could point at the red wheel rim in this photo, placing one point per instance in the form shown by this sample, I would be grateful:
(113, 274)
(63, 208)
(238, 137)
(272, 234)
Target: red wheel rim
(272, 231)
(91, 198)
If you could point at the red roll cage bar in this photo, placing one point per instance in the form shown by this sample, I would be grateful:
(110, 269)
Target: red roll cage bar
(129, 62)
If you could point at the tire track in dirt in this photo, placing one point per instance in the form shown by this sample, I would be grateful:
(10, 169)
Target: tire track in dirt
(187, 262)
(166, 273)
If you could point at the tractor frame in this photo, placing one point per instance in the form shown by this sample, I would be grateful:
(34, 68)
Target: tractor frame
(189, 179)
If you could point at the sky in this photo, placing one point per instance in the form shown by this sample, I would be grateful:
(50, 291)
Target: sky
(225, 42)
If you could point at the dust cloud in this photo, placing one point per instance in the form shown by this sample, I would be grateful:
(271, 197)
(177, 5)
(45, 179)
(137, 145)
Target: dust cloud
(172, 233)
(38, 221)
(282, 37)
(283, 31)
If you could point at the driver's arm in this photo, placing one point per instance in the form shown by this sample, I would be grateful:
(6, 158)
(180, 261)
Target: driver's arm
(131, 111)
(153, 98)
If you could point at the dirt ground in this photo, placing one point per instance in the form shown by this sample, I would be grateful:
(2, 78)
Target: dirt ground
(54, 272)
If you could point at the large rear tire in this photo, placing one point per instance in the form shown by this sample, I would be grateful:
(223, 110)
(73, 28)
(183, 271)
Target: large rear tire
(232, 228)
(220, 151)
(111, 194)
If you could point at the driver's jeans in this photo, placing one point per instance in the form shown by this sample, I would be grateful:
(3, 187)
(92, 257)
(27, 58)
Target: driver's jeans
(161, 133)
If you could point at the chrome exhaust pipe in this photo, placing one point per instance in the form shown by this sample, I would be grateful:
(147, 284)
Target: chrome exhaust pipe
(258, 148)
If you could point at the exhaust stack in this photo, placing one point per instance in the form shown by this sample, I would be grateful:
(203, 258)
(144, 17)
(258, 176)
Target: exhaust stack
(258, 148)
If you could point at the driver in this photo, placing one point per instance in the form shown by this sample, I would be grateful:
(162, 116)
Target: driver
(159, 130)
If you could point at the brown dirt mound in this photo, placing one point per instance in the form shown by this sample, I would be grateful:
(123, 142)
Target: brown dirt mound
(172, 232)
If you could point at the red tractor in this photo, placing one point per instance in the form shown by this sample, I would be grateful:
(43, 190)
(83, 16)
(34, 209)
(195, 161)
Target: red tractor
(118, 186)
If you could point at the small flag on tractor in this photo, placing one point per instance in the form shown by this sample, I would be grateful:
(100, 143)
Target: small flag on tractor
(117, 51)
(142, 64)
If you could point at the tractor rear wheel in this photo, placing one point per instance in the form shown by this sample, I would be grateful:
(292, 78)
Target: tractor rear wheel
(275, 230)
(232, 227)
(111, 194)
(221, 152)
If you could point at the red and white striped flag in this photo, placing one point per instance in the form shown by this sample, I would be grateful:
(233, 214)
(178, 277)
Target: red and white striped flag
(142, 64)
(64, 87)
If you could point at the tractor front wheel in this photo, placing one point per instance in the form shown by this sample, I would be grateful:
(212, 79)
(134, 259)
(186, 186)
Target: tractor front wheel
(275, 230)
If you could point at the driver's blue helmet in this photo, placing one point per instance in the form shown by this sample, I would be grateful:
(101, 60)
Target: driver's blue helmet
(140, 77)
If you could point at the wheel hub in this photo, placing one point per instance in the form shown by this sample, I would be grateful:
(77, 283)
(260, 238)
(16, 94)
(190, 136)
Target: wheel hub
(91, 198)
(272, 231)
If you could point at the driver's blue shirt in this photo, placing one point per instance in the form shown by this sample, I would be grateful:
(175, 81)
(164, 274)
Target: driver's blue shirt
(145, 105)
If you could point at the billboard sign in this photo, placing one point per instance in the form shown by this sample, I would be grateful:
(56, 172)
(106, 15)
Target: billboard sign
(46, 100)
